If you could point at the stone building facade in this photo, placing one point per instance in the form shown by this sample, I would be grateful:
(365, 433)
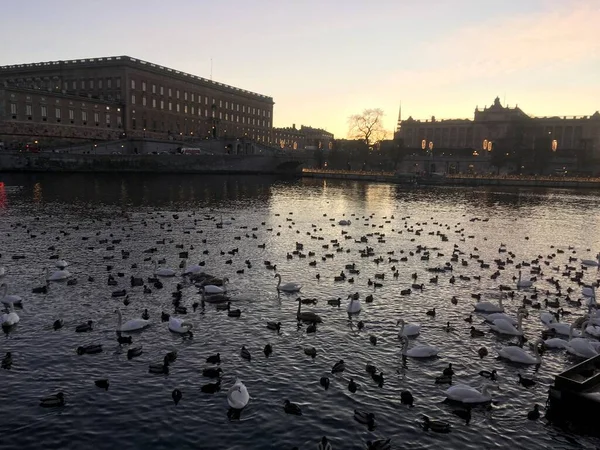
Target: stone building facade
(304, 138)
(154, 101)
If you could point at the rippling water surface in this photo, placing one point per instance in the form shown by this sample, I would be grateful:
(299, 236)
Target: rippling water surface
(264, 218)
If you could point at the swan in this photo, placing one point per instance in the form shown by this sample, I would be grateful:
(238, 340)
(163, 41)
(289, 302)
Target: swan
(57, 275)
(61, 264)
(237, 395)
(467, 394)
(163, 271)
(588, 291)
(503, 326)
(408, 329)
(354, 305)
(8, 300)
(565, 329)
(131, 325)
(592, 262)
(419, 351)
(287, 287)
(212, 289)
(555, 343)
(497, 316)
(579, 346)
(191, 270)
(307, 316)
(489, 307)
(215, 298)
(518, 355)
(179, 325)
(11, 318)
(523, 283)
(548, 318)
(2, 272)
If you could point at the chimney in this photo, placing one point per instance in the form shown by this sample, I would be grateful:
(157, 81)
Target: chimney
(294, 126)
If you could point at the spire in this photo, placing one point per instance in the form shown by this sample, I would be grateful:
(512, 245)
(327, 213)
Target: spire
(399, 124)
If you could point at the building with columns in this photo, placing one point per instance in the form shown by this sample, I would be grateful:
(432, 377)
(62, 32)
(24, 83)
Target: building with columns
(303, 138)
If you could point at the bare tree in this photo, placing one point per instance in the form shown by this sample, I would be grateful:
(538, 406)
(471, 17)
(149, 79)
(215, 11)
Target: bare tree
(367, 126)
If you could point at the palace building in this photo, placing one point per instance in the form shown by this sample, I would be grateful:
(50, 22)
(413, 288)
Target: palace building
(105, 98)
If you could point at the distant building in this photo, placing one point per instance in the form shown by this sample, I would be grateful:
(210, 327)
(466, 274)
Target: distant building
(305, 138)
(496, 123)
(61, 98)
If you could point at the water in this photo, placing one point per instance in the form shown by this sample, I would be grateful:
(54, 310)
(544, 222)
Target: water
(74, 212)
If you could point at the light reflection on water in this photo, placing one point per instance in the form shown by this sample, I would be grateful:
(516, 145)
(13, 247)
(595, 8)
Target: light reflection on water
(137, 410)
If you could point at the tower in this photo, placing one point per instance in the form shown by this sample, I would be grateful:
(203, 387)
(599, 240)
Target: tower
(399, 124)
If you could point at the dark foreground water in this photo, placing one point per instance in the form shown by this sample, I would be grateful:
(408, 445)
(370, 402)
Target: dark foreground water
(264, 218)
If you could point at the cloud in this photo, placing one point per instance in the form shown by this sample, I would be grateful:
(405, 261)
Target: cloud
(548, 39)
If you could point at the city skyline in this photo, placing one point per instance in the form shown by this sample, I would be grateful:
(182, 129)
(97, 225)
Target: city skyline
(322, 64)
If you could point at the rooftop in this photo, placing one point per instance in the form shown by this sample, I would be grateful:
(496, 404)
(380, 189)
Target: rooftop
(125, 60)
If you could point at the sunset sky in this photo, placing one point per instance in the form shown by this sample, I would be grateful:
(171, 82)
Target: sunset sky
(323, 60)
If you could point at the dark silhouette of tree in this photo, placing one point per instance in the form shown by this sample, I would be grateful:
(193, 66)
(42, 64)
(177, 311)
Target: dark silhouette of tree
(367, 126)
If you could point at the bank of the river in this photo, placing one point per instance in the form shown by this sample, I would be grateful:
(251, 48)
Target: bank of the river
(457, 180)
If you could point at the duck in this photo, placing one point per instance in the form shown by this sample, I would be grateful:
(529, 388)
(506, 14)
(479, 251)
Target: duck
(291, 408)
(378, 378)
(373, 339)
(276, 326)
(145, 315)
(212, 372)
(133, 352)
(338, 367)
(324, 444)
(482, 352)
(130, 325)
(214, 359)
(408, 329)
(475, 332)
(160, 368)
(245, 354)
(419, 351)
(467, 394)
(335, 302)
(310, 351)
(526, 382)
(380, 444)
(103, 384)
(487, 374)
(287, 287)
(312, 328)
(124, 339)
(406, 398)
(364, 417)
(53, 400)
(307, 316)
(164, 317)
(431, 312)
(211, 388)
(534, 414)
(324, 381)
(237, 395)
(448, 371)
(435, 425)
(352, 387)
(233, 312)
(89, 349)
(58, 324)
(84, 327)
(7, 361)
(268, 350)
(171, 356)
(176, 395)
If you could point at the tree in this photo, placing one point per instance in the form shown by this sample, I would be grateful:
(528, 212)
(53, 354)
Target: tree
(368, 126)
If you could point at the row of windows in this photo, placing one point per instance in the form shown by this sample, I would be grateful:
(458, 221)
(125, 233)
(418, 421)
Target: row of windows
(92, 83)
(58, 114)
(228, 105)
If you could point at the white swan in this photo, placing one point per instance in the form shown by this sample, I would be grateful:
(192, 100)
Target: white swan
(504, 326)
(2, 272)
(523, 283)
(179, 325)
(9, 299)
(467, 394)
(497, 316)
(564, 328)
(408, 329)
(548, 318)
(237, 395)
(592, 262)
(57, 275)
(212, 289)
(61, 264)
(192, 269)
(588, 291)
(489, 307)
(518, 355)
(287, 287)
(11, 318)
(579, 346)
(556, 343)
(163, 271)
(131, 325)
(419, 351)
(354, 306)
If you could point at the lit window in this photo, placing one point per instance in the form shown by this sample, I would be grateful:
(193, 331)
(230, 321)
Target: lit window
(185, 109)
(263, 123)
(244, 119)
(244, 108)
(132, 84)
(170, 106)
(206, 100)
(206, 112)
(193, 110)
(226, 116)
(192, 94)
(57, 112)
(220, 115)
(132, 99)
(13, 108)
(226, 105)
(237, 107)
(237, 118)
(253, 110)
(169, 92)
(177, 93)
(177, 107)
(28, 110)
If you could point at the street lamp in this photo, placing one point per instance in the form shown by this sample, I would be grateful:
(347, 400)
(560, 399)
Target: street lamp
(554, 145)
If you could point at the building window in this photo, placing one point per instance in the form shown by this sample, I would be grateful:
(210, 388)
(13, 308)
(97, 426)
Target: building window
(107, 120)
(253, 121)
(162, 104)
(91, 84)
(57, 113)
(84, 117)
(269, 114)
(226, 105)
(119, 122)
(133, 124)
(109, 83)
(170, 106)
(118, 82)
(162, 90)
(220, 103)
(185, 95)
(143, 86)
(193, 110)
(244, 108)
(154, 89)
(243, 119)
(13, 109)
(143, 101)
(237, 107)
(177, 107)
(206, 100)
(74, 84)
(154, 103)
(192, 94)
(263, 123)
(205, 112)
(71, 114)
(118, 96)
(169, 92)
(220, 115)
(185, 109)
(253, 110)
(177, 93)
(237, 118)
(132, 99)
(226, 116)
(96, 118)
(28, 110)
(100, 83)
(132, 84)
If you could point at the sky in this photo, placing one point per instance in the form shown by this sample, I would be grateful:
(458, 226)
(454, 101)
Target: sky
(325, 60)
